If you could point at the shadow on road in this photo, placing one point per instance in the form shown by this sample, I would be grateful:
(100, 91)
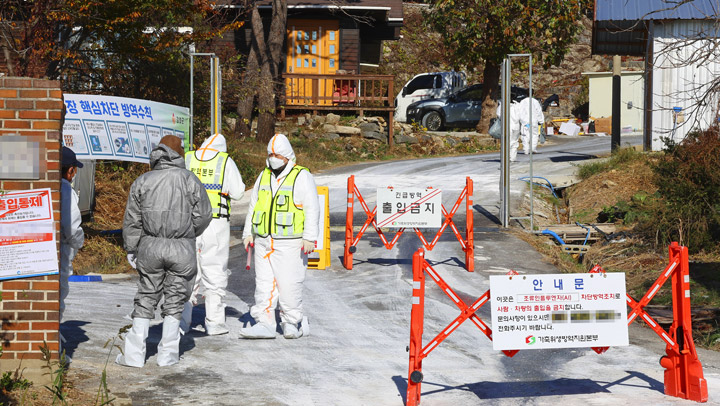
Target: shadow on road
(528, 389)
(571, 156)
(74, 334)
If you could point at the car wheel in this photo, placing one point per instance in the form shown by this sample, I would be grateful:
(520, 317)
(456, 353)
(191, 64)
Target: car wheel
(432, 121)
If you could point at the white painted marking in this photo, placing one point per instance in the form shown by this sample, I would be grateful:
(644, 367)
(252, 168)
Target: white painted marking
(669, 271)
(632, 317)
(449, 292)
(687, 278)
(479, 258)
(451, 328)
(670, 341)
(432, 345)
(652, 292)
(416, 284)
(649, 320)
(416, 300)
(687, 293)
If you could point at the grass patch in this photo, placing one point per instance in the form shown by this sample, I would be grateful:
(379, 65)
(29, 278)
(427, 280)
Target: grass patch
(617, 159)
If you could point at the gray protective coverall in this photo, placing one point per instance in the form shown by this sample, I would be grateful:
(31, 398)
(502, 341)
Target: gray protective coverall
(167, 208)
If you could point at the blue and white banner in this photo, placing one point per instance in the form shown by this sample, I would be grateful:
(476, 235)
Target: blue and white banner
(120, 128)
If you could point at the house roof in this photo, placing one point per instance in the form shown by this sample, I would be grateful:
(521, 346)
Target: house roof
(634, 10)
(620, 27)
(392, 8)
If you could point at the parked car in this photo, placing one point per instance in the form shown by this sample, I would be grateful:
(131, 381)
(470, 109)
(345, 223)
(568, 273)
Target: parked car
(424, 86)
(460, 109)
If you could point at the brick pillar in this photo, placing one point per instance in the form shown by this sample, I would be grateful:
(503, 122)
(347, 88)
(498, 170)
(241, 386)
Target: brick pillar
(29, 309)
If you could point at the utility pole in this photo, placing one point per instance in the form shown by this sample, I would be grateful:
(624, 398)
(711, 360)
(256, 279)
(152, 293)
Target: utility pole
(617, 71)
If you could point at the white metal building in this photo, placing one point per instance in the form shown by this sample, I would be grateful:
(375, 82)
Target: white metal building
(681, 46)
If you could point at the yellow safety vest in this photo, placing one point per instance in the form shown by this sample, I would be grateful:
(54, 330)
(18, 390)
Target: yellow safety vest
(212, 173)
(288, 220)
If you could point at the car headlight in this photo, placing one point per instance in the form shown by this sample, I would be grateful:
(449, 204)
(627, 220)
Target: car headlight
(411, 111)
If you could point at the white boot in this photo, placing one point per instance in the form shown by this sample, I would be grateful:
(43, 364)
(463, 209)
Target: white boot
(291, 330)
(259, 330)
(214, 315)
(169, 347)
(134, 349)
(186, 318)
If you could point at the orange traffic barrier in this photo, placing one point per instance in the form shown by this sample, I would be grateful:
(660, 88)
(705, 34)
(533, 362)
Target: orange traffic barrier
(683, 371)
(466, 242)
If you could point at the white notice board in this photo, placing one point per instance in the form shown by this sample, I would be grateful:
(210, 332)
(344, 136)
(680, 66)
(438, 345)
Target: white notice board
(558, 311)
(27, 234)
(397, 208)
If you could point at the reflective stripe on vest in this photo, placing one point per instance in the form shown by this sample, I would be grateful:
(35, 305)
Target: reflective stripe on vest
(211, 174)
(278, 216)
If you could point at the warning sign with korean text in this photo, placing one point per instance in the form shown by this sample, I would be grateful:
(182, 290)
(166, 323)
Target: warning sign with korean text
(558, 311)
(27, 234)
(397, 208)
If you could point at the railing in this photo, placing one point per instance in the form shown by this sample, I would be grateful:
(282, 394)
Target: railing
(358, 93)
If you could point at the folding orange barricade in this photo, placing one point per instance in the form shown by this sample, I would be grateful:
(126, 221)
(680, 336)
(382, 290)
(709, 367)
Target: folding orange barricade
(683, 371)
(467, 243)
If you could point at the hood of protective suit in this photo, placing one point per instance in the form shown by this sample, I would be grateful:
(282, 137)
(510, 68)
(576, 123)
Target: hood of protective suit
(211, 146)
(279, 144)
(163, 157)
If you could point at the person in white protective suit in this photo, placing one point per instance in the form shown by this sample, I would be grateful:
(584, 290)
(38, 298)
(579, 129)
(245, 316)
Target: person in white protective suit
(167, 209)
(223, 182)
(282, 222)
(523, 114)
(72, 235)
(514, 128)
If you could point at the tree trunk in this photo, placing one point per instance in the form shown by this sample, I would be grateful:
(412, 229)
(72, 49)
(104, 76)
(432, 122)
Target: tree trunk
(8, 61)
(270, 75)
(262, 75)
(246, 95)
(491, 79)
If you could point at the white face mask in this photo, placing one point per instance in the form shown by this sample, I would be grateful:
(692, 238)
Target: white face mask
(275, 163)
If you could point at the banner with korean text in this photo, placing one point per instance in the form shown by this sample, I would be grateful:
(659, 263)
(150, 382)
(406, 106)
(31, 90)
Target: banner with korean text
(27, 234)
(558, 311)
(119, 128)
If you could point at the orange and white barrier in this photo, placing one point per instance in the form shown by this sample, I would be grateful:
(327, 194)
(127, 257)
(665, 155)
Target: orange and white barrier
(351, 240)
(683, 370)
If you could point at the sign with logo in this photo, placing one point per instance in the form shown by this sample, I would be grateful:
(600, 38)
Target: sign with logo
(119, 128)
(398, 208)
(27, 234)
(558, 311)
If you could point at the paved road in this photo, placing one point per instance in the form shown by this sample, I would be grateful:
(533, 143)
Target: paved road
(359, 319)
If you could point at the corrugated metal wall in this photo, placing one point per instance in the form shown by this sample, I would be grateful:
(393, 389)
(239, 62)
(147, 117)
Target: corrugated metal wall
(681, 78)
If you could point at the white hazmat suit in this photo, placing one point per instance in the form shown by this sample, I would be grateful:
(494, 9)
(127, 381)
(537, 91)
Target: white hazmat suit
(523, 113)
(280, 263)
(514, 128)
(72, 236)
(213, 245)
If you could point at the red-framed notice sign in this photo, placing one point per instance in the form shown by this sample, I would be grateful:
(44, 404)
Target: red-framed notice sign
(27, 234)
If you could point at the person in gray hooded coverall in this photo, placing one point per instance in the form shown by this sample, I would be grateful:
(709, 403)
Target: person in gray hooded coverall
(167, 208)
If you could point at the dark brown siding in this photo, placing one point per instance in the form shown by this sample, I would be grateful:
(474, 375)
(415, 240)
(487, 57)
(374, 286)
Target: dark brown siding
(350, 49)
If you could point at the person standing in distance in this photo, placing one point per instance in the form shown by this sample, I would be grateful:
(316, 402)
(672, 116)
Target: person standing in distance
(166, 210)
(223, 182)
(282, 222)
(72, 235)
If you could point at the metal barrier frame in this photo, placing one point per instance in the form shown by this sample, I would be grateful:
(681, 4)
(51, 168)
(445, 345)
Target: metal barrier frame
(683, 370)
(351, 240)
